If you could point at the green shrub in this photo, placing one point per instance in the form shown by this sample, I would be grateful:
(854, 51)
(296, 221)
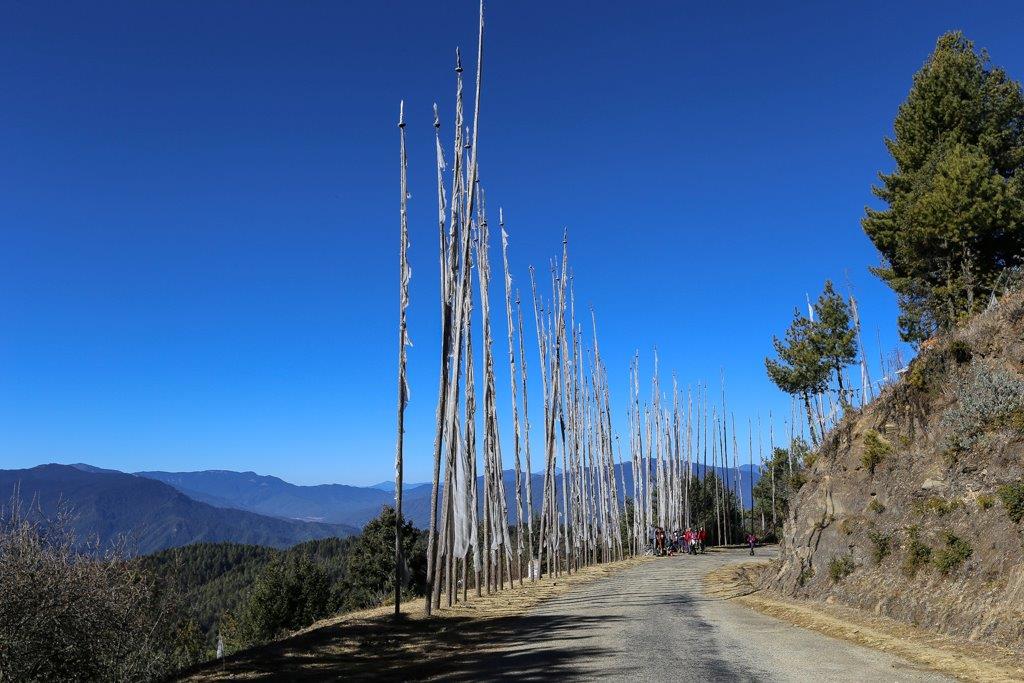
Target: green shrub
(960, 350)
(876, 507)
(925, 373)
(987, 396)
(848, 526)
(986, 501)
(952, 554)
(876, 447)
(840, 567)
(1013, 498)
(881, 545)
(939, 507)
(916, 376)
(918, 554)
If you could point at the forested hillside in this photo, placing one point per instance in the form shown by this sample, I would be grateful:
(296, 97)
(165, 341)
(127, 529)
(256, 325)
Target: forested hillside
(248, 594)
(215, 578)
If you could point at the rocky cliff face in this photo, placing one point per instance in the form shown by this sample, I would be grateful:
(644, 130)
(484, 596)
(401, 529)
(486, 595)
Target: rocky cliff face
(913, 507)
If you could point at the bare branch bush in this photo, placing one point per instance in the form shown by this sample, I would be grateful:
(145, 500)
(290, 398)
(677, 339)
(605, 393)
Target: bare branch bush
(73, 611)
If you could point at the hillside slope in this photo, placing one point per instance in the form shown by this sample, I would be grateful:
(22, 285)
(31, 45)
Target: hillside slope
(912, 508)
(151, 515)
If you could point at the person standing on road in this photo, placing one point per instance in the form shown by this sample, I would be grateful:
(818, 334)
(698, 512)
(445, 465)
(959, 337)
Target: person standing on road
(751, 541)
(659, 541)
(702, 537)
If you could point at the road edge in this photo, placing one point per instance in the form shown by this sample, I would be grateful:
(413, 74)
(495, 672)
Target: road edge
(944, 654)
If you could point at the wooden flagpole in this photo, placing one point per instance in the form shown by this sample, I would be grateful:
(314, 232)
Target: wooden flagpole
(405, 273)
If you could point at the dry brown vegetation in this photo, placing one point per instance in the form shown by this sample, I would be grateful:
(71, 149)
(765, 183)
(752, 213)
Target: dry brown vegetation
(950, 655)
(69, 612)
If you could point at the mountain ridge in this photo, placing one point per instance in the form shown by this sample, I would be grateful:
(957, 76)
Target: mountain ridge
(148, 515)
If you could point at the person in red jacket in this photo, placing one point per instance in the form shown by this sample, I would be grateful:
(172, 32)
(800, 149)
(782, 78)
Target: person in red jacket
(751, 541)
(687, 540)
(702, 537)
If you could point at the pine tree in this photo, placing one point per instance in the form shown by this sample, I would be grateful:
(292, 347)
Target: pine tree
(833, 334)
(369, 573)
(955, 216)
(800, 370)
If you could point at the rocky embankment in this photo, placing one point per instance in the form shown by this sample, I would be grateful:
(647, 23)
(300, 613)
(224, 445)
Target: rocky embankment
(914, 506)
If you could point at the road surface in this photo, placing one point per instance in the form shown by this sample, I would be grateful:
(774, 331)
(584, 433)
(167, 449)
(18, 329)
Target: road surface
(653, 622)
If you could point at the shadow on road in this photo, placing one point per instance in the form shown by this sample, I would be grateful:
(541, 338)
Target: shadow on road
(449, 648)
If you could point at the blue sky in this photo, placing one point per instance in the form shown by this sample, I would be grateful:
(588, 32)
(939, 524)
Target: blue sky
(198, 205)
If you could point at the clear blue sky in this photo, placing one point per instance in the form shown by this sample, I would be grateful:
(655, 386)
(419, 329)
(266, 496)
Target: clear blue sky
(198, 204)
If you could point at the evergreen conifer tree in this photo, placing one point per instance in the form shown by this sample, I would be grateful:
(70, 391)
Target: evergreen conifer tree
(833, 334)
(955, 215)
(801, 369)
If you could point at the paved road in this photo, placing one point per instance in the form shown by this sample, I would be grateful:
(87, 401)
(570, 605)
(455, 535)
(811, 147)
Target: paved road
(653, 622)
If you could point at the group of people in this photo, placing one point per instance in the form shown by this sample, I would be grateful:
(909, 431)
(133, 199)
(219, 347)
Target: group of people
(691, 541)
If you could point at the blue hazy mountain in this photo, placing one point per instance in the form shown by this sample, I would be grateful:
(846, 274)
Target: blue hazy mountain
(107, 505)
(266, 495)
(389, 486)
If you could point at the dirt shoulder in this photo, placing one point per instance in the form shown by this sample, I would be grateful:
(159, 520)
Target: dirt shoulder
(372, 644)
(953, 656)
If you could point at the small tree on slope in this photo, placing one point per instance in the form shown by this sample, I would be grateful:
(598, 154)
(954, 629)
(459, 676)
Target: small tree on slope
(800, 370)
(833, 334)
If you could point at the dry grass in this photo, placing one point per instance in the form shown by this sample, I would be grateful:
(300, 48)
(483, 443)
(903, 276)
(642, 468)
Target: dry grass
(953, 656)
(372, 644)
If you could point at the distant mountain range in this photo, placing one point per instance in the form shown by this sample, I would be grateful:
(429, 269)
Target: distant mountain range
(150, 515)
(265, 495)
(390, 486)
(158, 510)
